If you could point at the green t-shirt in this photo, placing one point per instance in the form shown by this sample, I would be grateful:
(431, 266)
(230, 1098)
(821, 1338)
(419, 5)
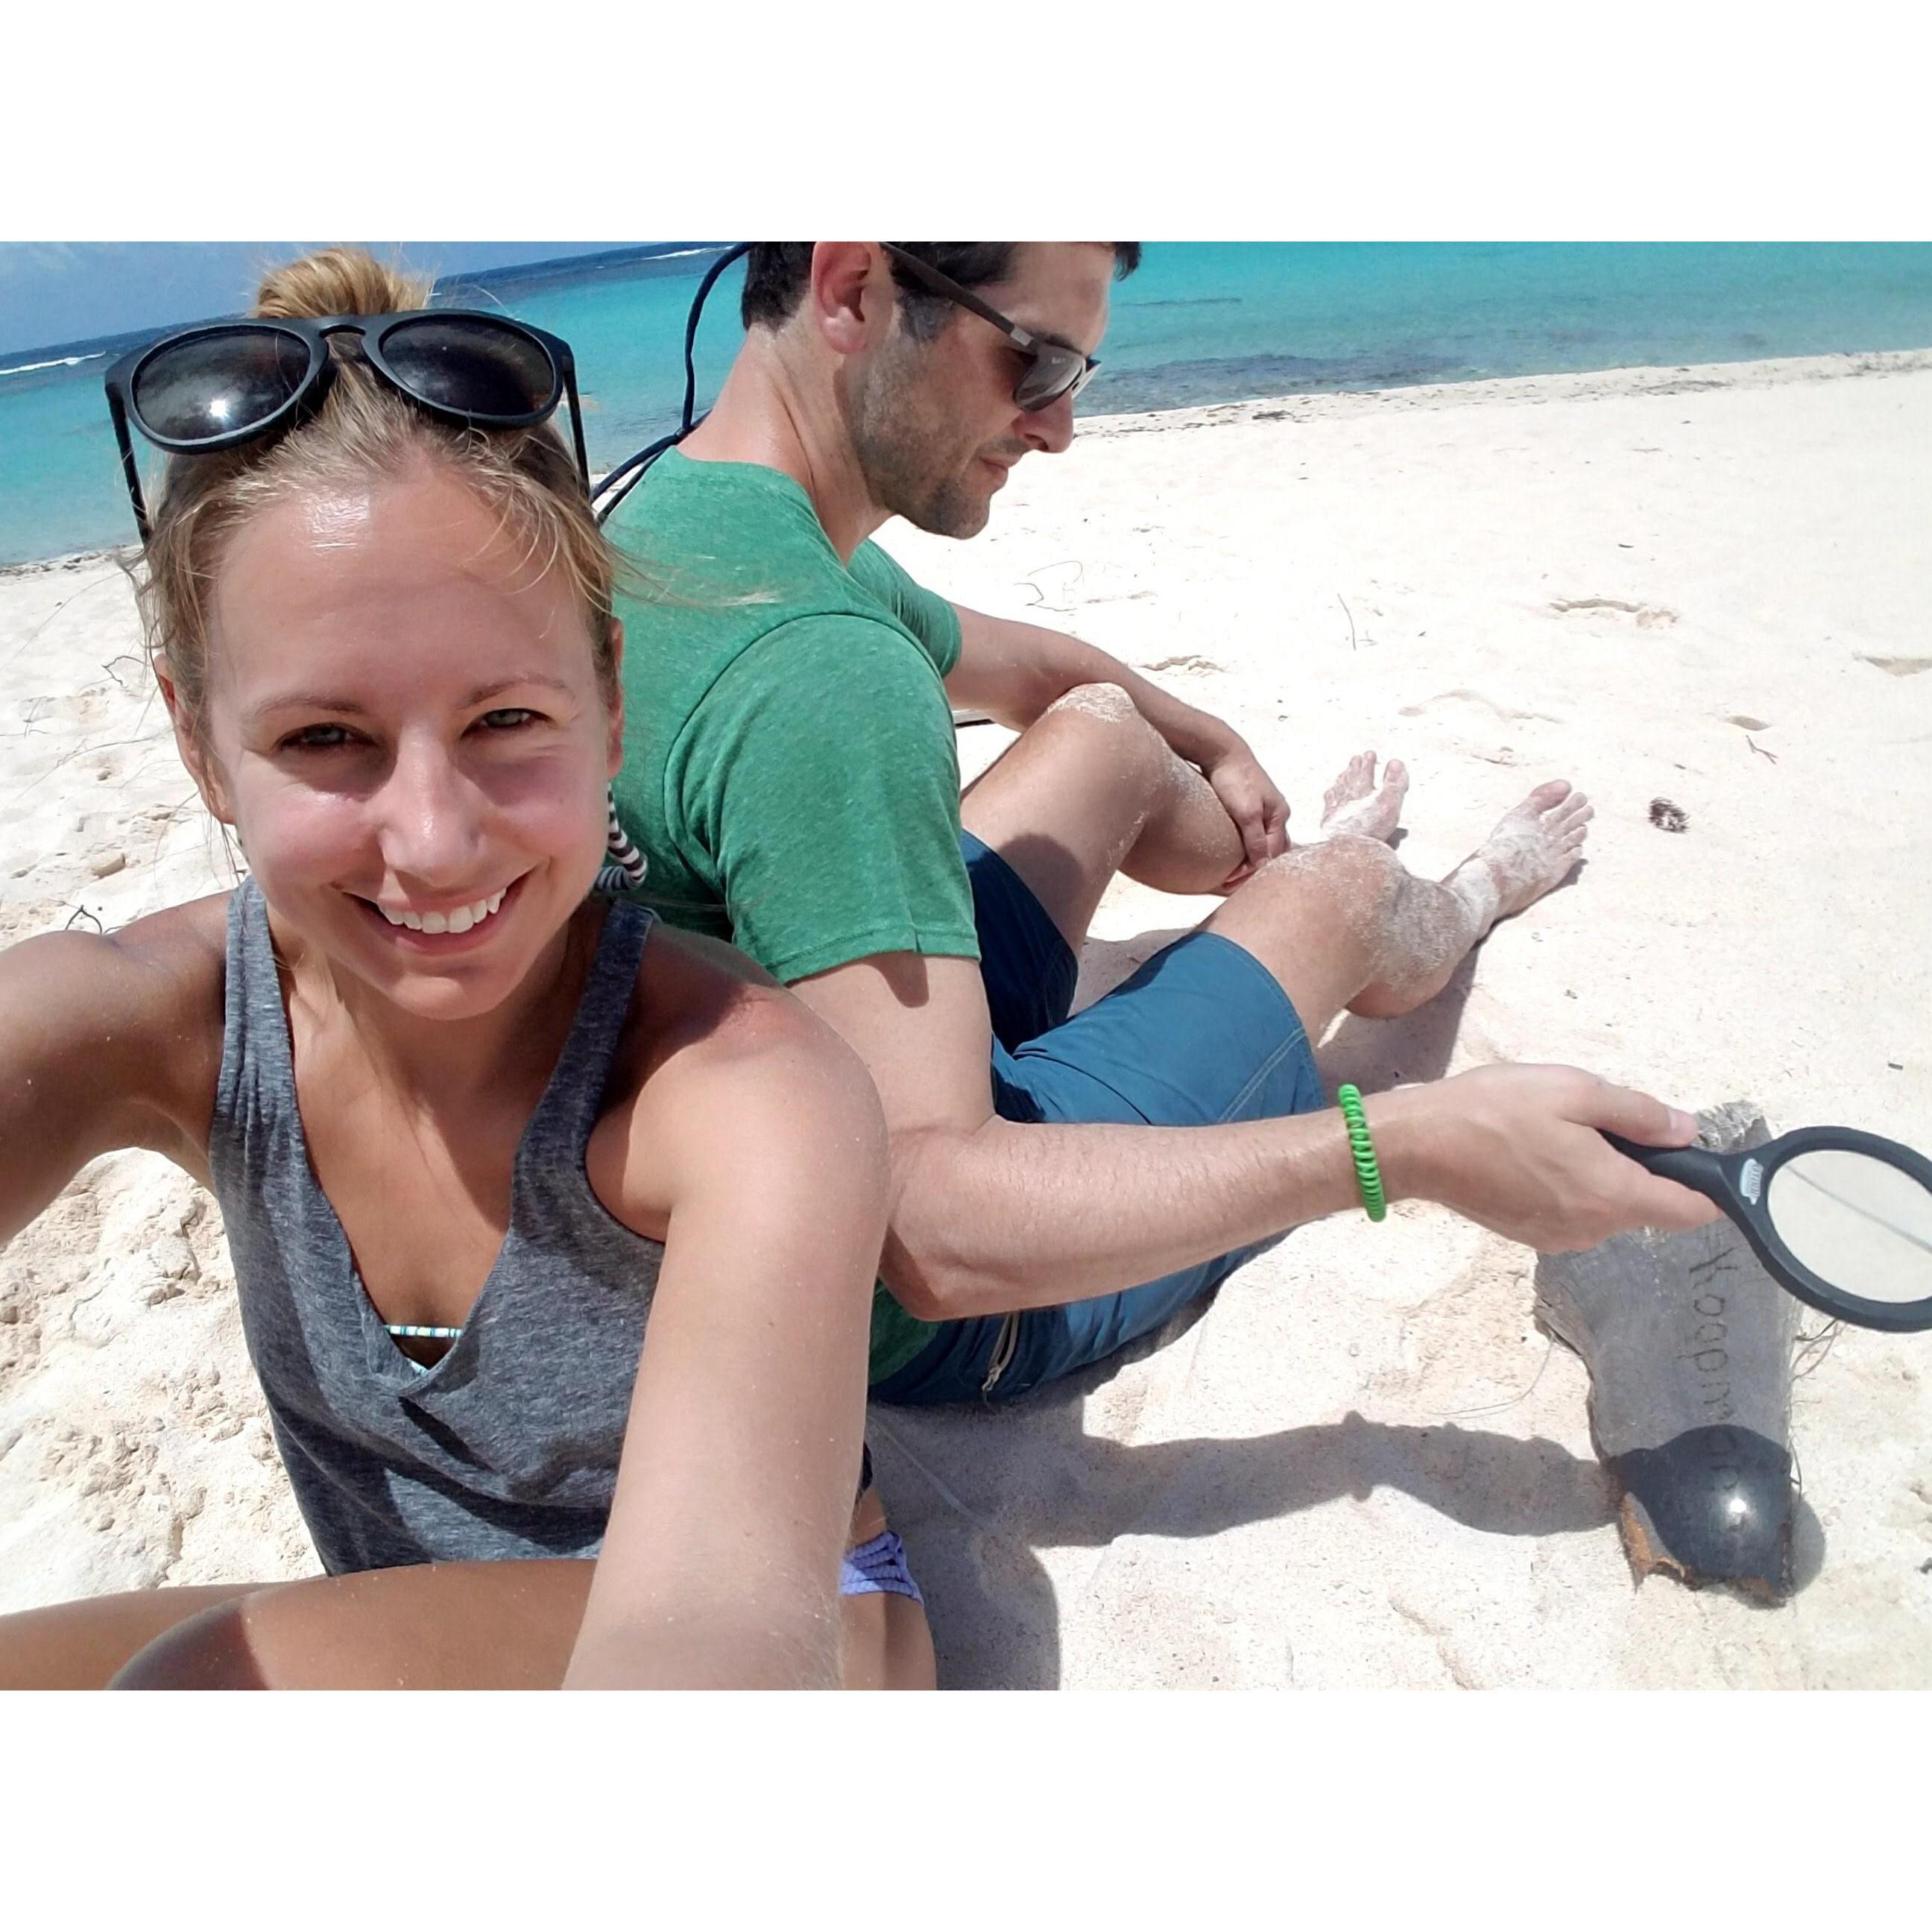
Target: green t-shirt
(789, 772)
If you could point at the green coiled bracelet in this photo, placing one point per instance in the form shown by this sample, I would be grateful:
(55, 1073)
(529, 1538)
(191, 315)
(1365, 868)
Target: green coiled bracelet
(1349, 1099)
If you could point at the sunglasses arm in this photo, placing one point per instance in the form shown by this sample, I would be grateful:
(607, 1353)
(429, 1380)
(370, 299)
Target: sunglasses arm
(130, 468)
(569, 362)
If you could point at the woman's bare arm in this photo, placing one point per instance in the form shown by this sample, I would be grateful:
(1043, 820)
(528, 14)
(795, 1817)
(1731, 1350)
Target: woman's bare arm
(105, 1043)
(762, 1142)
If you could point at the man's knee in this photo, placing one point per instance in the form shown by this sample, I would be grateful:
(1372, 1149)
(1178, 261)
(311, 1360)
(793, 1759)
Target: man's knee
(1353, 880)
(1096, 703)
(1102, 724)
(1102, 711)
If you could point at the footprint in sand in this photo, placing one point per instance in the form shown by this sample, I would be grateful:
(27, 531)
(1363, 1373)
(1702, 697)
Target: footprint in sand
(1477, 697)
(1897, 667)
(1648, 615)
(1744, 721)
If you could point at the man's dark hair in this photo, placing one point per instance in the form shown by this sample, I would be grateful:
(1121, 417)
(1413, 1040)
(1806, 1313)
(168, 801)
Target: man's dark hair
(777, 274)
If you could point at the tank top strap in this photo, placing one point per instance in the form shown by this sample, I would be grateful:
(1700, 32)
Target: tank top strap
(257, 1069)
(574, 1098)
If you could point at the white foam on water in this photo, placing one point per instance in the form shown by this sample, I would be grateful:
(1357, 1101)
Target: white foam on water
(57, 362)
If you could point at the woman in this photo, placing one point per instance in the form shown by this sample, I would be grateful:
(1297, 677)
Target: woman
(468, 1125)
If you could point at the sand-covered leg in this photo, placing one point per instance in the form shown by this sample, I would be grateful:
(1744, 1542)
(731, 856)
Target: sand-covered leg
(1688, 1344)
(1091, 789)
(1342, 922)
(1426, 929)
(1532, 850)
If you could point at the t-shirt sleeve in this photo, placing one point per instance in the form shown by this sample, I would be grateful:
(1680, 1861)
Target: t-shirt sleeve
(819, 776)
(929, 617)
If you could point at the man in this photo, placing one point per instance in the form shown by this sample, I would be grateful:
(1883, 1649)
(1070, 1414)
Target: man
(1061, 1185)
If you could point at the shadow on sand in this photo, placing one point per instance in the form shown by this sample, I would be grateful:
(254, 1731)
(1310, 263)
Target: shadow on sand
(974, 1506)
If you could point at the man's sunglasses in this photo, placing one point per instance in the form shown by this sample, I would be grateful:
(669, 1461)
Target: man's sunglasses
(223, 383)
(1053, 370)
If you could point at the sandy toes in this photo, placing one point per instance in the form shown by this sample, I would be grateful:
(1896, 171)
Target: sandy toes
(1355, 804)
(1533, 850)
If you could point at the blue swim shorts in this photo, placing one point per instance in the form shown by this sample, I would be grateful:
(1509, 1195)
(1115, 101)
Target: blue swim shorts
(1200, 1034)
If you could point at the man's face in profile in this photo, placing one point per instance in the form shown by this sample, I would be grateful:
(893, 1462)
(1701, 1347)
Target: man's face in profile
(934, 423)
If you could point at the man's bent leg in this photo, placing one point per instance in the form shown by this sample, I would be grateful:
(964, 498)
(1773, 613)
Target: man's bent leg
(1091, 789)
(1029, 971)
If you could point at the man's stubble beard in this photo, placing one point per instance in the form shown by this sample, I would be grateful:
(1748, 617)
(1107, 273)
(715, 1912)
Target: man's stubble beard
(903, 455)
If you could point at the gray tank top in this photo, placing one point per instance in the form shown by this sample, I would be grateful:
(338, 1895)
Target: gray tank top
(508, 1447)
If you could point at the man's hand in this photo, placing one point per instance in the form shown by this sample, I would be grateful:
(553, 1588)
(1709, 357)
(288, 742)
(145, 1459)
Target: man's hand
(1254, 802)
(1517, 1149)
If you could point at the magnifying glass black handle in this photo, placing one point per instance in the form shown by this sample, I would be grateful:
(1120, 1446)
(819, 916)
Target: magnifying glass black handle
(1692, 1167)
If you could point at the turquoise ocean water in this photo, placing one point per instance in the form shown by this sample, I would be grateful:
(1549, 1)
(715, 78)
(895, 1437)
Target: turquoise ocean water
(1201, 323)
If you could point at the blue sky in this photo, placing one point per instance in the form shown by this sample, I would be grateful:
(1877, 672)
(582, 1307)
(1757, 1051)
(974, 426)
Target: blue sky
(58, 292)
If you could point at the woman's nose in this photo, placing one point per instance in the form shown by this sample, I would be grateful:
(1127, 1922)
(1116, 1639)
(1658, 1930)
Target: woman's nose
(431, 817)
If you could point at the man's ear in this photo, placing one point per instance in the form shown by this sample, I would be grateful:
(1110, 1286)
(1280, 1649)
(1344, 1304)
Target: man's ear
(614, 744)
(201, 767)
(851, 295)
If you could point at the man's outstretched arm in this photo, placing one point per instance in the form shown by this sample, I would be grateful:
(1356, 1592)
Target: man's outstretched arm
(1013, 671)
(990, 1216)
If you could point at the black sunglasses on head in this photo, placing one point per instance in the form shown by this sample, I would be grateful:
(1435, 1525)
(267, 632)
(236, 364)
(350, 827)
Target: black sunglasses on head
(223, 383)
(1053, 371)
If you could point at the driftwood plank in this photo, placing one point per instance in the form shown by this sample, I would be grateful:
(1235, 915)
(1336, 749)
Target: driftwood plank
(1688, 1341)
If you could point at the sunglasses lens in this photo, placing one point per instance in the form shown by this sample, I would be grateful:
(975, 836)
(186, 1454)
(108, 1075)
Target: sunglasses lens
(216, 384)
(1055, 373)
(469, 364)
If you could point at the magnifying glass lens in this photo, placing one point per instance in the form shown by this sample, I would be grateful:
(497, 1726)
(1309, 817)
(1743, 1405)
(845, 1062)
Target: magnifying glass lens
(1861, 1224)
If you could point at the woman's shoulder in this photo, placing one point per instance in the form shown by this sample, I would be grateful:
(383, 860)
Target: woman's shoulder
(697, 992)
(718, 1059)
(178, 957)
(702, 1010)
(140, 1009)
(174, 964)
(165, 971)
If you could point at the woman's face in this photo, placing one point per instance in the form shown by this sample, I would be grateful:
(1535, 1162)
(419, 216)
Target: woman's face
(407, 733)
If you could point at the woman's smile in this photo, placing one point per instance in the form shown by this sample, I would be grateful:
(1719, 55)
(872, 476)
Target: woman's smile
(447, 928)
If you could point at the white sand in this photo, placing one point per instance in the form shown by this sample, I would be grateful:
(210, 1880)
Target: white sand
(1365, 1464)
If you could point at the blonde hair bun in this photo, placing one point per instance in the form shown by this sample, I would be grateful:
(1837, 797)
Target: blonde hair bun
(337, 281)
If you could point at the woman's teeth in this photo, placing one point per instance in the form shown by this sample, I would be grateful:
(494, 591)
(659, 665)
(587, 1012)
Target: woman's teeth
(460, 920)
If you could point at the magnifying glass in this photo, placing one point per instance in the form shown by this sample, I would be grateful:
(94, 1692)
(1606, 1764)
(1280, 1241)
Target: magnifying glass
(1842, 1219)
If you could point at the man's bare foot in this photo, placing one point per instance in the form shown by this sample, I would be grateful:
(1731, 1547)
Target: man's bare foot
(1533, 850)
(1355, 803)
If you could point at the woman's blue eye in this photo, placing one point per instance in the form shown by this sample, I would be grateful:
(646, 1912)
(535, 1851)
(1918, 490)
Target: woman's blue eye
(507, 719)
